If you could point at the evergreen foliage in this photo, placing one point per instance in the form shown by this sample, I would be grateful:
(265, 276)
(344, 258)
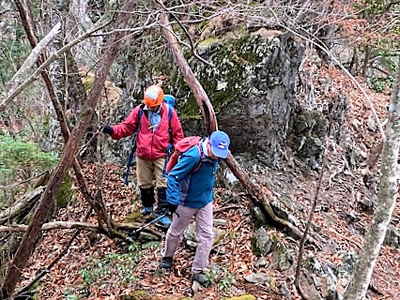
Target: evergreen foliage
(18, 156)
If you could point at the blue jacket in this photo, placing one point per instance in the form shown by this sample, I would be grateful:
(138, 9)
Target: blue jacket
(192, 189)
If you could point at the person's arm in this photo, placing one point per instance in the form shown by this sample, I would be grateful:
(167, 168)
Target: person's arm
(128, 126)
(177, 131)
(180, 171)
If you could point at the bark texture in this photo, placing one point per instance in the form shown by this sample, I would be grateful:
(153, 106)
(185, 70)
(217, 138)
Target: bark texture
(386, 202)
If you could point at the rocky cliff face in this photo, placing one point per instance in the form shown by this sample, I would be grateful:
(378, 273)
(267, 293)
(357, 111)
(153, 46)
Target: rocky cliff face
(252, 89)
(251, 84)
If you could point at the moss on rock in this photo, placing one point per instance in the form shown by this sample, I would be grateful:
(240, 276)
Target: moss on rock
(138, 295)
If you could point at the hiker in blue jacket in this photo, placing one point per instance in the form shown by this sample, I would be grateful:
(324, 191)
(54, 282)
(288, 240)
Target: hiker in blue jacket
(190, 193)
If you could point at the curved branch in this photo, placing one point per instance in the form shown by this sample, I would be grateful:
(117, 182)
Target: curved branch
(65, 225)
(191, 45)
(210, 121)
(15, 92)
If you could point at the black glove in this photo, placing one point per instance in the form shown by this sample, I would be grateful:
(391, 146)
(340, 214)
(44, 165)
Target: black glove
(108, 129)
(172, 208)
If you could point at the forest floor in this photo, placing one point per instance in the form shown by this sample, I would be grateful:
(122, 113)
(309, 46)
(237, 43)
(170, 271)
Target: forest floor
(95, 267)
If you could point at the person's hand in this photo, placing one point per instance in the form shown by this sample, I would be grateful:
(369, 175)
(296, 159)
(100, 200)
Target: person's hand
(107, 130)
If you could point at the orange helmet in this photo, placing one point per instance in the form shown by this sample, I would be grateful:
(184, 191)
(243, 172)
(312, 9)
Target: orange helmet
(153, 96)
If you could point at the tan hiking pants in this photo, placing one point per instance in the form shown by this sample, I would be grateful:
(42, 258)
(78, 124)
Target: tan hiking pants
(149, 170)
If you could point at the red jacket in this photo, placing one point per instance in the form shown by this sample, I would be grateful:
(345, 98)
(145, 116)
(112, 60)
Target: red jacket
(150, 145)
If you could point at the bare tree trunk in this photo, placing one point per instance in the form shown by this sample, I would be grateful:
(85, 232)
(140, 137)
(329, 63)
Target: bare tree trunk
(367, 50)
(29, 240)
(28, 25)
(20, 76)
(386, 203)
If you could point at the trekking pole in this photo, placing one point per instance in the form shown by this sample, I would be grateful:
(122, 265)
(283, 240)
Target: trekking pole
(137, 231)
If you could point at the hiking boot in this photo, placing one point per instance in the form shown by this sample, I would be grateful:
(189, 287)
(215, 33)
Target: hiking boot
(202, 279)
(147, 197)
(146, 211)
(166, 263)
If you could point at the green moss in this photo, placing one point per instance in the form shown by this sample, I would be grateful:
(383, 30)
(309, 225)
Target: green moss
(133, 217)
(241, 59)
(65, 192)
(137, 295)
(237, 60)
(207, 43)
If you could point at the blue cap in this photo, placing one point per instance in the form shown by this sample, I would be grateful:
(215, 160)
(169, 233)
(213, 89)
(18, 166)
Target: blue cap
(169, 99)
(220, 141)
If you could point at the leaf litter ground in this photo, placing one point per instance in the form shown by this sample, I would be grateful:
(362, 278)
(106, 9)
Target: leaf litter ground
(96, 268)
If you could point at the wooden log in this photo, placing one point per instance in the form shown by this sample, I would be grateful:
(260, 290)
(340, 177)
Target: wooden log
(27, 201)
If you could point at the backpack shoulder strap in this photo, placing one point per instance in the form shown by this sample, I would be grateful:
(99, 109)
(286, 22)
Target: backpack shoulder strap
(199, 146)
(139, 116)
(170, 113)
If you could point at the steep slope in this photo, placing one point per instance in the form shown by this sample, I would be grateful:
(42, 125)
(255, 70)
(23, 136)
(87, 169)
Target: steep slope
(95, 267)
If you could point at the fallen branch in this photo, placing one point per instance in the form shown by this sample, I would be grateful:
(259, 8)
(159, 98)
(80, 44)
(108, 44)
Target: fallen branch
(227, 208)
(43, 272)
(52, 226)
(14, 185)
(65, 225)
(28, 201)
(210, 120)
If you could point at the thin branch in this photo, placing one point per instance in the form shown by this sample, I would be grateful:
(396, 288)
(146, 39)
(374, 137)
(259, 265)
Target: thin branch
(66, 225)
(52, 58)
(54, 262)
(355, 82)
(52, 226)
(227, 208)
(309, 222)
(12, 186)
(133, 30)
(192, 48)
(28, 64)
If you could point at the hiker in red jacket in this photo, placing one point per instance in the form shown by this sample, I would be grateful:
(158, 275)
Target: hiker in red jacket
(157, 125)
